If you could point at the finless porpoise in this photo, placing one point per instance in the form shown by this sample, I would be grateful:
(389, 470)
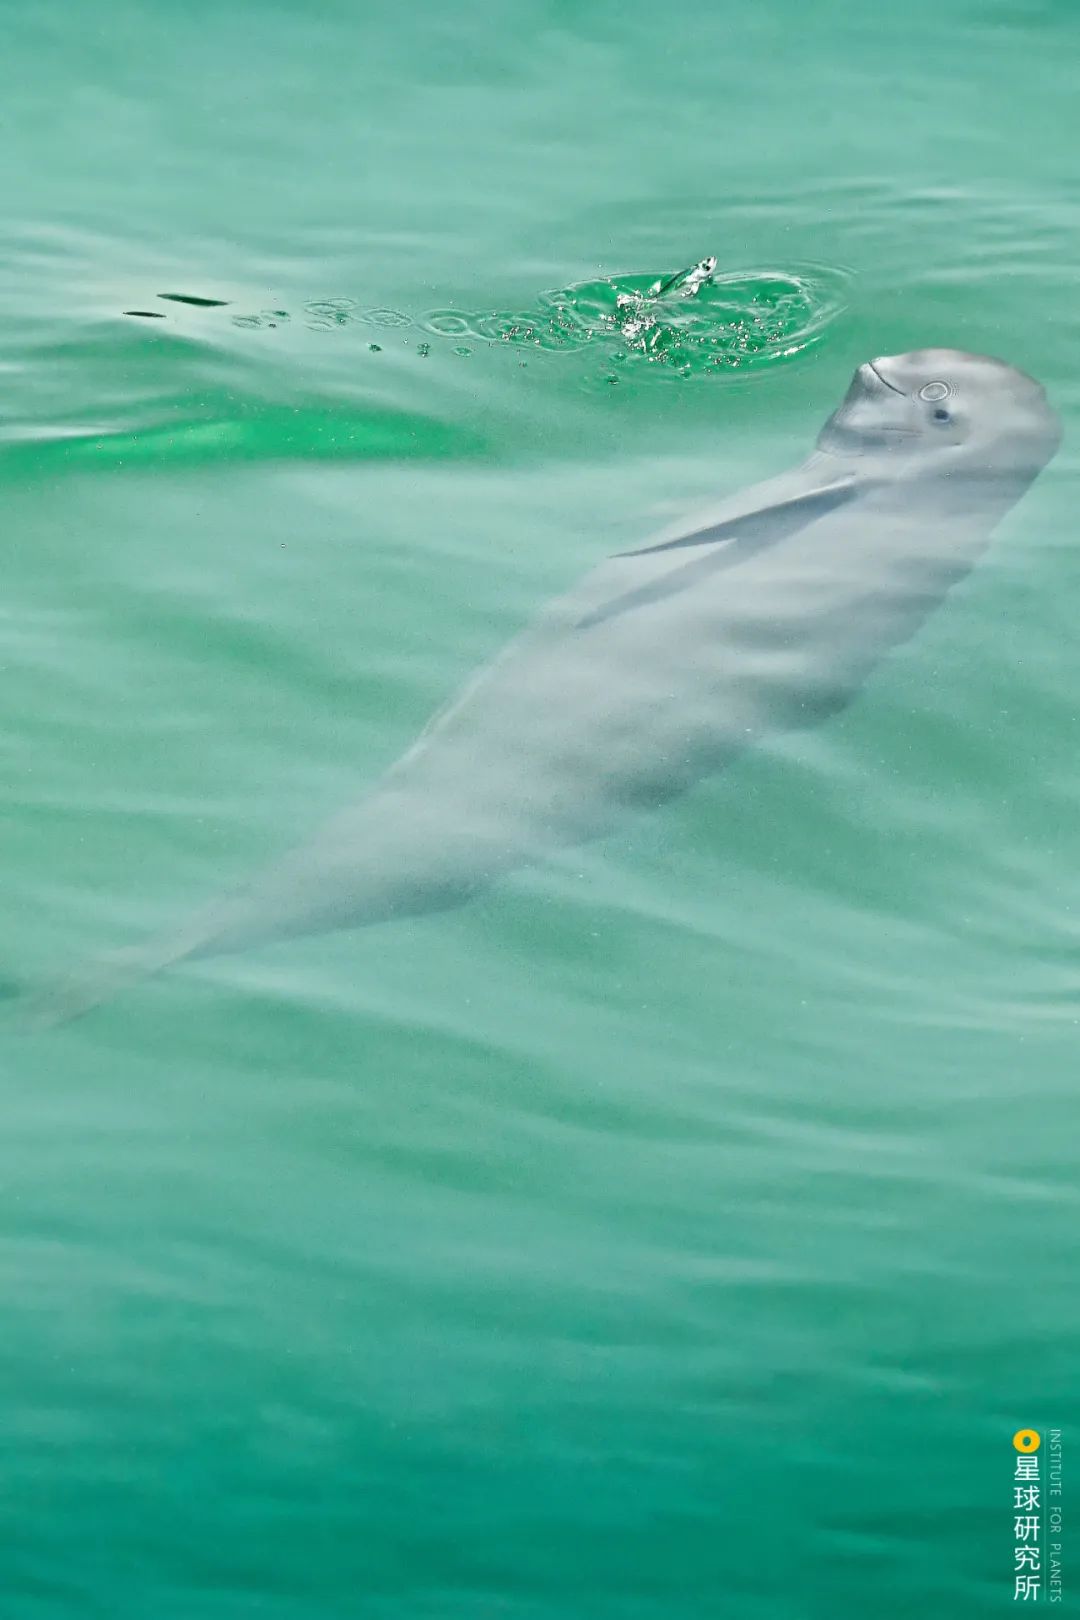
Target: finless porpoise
(662, 665)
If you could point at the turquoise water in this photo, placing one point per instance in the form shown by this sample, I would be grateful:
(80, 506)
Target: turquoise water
(686, 1227)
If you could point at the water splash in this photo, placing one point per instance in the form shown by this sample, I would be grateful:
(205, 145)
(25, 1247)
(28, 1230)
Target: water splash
(684, 282)
(638, 311)
(693, 322)
(687, 323)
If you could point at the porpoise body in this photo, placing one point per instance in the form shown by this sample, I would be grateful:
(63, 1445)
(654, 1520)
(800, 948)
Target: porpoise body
(663, 664)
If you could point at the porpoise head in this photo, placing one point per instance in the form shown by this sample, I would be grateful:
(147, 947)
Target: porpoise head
(953, 414)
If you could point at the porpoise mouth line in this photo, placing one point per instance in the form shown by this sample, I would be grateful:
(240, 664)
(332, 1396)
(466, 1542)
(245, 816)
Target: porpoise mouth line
(885, 380)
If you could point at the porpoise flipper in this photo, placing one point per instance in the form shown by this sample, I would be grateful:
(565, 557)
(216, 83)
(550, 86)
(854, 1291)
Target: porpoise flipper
(729, 541)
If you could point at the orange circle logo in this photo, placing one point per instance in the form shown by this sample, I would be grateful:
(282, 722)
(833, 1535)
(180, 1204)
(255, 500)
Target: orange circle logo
(1027, 1440)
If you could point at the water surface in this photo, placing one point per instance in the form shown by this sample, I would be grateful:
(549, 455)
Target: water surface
(686, 1228)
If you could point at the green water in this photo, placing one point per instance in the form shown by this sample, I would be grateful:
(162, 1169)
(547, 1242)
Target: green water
(683, 1229)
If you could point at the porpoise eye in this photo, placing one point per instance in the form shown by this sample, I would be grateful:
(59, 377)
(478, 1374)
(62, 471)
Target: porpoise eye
(942, 416)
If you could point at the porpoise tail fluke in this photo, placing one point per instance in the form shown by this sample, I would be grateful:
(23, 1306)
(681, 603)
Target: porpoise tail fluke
(95, 982)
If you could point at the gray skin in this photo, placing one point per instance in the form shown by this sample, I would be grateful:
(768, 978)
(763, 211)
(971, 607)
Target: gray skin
(664, 664)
